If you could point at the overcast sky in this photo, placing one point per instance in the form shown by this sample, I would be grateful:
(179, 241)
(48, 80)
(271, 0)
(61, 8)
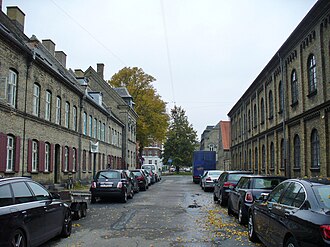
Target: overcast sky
(204, 54)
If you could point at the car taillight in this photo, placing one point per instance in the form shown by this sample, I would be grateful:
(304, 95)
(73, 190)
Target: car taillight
(120, 185)
(227, 184)
(208, 179)
(93, 185)
(325, 230)
(248, 197)
(140, 178)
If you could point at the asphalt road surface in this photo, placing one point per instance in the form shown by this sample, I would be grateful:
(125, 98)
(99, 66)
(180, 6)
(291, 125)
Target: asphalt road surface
(173, 212)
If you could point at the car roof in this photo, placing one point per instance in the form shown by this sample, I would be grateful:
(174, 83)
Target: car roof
(8, 179)
(312, 181)
(244, 172)
(262, 176)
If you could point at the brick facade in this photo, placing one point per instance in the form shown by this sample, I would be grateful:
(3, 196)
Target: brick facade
(281, 123)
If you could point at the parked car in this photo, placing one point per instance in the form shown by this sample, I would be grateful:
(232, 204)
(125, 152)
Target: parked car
(209, 179)
(222, 187)
(155, 169)
(151, 175)
(202, 176)
(141, 178)
(111, 183)
(133, 180)
(248, 189)
(296, 213)
(29, 214)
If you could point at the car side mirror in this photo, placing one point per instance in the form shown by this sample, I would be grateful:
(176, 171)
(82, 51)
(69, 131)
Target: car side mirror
(55, 195)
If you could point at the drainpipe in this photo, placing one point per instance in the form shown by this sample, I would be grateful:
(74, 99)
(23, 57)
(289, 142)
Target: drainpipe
(286, 164)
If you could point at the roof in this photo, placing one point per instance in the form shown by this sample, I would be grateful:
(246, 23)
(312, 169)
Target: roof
(123, 92)
(225, 134)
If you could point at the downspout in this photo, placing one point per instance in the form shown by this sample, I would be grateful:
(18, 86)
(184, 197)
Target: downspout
(29, 62)
(286, 165)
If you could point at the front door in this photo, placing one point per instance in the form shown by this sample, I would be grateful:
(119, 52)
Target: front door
(57, 163)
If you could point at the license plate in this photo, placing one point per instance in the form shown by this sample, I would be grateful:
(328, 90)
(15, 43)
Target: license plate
(106, 185)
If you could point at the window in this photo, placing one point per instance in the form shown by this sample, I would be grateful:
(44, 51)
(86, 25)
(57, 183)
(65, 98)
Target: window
(262, 109)
(35, 151)
(281, 97)
(282, 154)
(58, 110)
(36, 99)
(272, 156)
(315, 146)
(48, 106)
(85, 124)
(39, 192)
(150, 162)
(99, 131)
(271, 105)
(74, 159)
(256, 159)
(296, 152)
(249, 120)
(275, 195)
(294, 87)
(21, 192)
(66, 159)
(211, 147)
(95, 128)
(84, 161)
(250, 159)
(263, 157)
(255, 116)
(294, 196)
(103, 132)
(311, 74)
(11, 88)
(67, 114)
(74, 118)
(47, 156)
(10, 154)
(6, 198)
(90, 126)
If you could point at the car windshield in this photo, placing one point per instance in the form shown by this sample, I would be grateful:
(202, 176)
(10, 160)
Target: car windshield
(149, 167)
(234, 177)
(215, 173)
(266, 183)
(109, 174)
(137, 173)
(322, 193)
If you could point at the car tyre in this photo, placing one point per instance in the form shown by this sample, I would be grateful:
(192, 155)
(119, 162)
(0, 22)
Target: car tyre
(93, 199)
(215, 198)
(18, 239)
(251, 230)
(67, 225)
(230, 210)
(77, 214)
(131, 195)
(291, 242)
(241, 216)
(124, 198)
(83, 210)
(221, 200)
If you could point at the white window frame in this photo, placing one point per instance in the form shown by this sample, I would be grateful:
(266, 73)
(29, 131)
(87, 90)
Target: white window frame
(99, 131)
(85, 124)
(34, 156)
(95, 128)
(103, 132)
(36, 99)
(90, 125)
(58, 110)
(47, 156)
(48, 105)
(66, 159)
(74, 157)
(74, 118)
(10, 154)
(67, 115)
(11, 88)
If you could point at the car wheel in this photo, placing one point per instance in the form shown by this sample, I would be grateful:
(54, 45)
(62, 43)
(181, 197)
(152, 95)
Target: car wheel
(77, 214)
(124, 198)
(93, 199)
(221, 200)
(230, 210)
(241, 215)
(130, 196)
(18, 239)
(251, 230)
(215, 198)
(67, 225)
(291, 242)
(83, 210)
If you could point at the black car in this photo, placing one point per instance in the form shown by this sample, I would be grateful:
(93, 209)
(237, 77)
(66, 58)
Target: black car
(222, 186)
(111, 183)
(248, 189)
(296, 213)
(29, 214)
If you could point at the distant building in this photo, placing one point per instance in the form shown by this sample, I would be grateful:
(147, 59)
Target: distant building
(152, 154)
(280, 125)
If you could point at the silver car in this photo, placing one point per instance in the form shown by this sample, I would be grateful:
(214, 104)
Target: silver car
(209, 179)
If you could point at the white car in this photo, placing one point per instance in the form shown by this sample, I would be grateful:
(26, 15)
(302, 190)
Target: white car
(155, 169)
(209, 178)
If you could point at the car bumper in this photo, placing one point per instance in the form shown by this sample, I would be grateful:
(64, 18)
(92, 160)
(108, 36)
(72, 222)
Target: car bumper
(113, 192)
(209, 185)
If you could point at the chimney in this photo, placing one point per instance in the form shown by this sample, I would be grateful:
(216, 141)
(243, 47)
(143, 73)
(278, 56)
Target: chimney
(61, 57)
(100, 70)
(17, 16)
(50, 45)
(79, 73)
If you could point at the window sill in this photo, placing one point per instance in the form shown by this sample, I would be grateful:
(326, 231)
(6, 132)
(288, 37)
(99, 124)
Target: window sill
(272, 169)
(282, 169)
(9, 172)
(312, 93)
(315, 169)
(296, 169)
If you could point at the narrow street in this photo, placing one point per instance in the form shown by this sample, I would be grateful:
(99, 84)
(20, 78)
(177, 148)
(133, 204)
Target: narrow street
(173, 212)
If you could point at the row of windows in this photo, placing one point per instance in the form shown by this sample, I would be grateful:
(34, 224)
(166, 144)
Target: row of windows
(97, 129)
(312, 89)
(314, 151)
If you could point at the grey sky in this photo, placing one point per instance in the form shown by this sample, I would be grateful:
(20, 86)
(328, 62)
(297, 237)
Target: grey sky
(216, 47)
